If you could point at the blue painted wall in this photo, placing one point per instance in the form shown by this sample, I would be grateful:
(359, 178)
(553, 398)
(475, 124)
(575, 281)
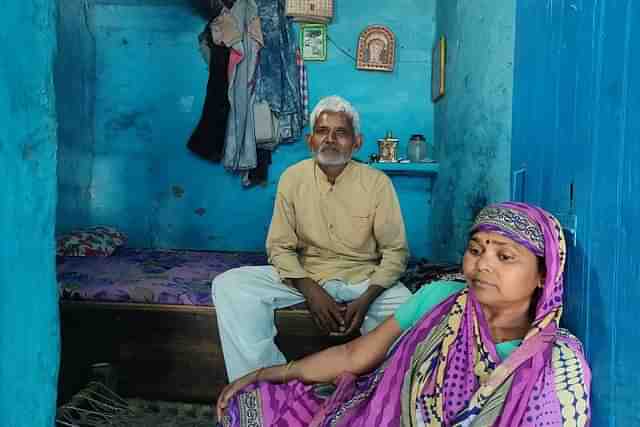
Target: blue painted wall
(576, 120)
(131, 84)
(29, 332)
(473, 120)
(74, 79)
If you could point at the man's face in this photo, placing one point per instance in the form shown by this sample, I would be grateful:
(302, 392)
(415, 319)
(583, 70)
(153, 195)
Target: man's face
(333, 140)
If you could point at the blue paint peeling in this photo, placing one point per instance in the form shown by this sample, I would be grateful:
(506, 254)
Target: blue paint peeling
(473, 119)
(29, 331)
(75, 86)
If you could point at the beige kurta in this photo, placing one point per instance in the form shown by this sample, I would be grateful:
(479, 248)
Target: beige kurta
(351, 230)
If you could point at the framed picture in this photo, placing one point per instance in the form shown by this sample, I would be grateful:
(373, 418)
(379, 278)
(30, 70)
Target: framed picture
(438, 56)
(313, 42)
(376, 49)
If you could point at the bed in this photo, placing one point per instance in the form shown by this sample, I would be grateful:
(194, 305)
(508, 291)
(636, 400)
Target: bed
(149, 315)
(147, 276)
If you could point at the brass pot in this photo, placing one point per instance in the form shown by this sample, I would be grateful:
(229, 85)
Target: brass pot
(388, 149)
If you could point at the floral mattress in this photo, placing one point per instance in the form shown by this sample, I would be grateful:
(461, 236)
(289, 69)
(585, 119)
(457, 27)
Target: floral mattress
(147, 275)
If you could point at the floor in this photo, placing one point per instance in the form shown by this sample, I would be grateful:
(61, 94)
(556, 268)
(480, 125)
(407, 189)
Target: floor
(98, 405)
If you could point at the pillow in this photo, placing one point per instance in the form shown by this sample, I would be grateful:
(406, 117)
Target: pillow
(94, 241)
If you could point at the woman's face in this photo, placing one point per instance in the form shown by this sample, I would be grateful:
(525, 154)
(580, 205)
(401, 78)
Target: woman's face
(502, 273)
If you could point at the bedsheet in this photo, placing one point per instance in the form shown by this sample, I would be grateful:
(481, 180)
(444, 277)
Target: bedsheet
(147, 275)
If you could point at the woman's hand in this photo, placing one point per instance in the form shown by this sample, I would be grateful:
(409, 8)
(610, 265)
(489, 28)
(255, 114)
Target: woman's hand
(231, 389)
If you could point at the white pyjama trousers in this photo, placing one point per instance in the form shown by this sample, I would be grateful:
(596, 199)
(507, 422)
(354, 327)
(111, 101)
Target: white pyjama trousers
(246, 297)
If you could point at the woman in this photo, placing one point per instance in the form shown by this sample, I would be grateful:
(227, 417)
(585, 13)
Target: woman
(488, 353)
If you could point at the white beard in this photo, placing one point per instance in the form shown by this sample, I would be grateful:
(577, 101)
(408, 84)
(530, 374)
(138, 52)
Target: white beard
(328, 157)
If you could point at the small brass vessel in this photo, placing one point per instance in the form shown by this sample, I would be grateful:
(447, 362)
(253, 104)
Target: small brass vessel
(388, 148)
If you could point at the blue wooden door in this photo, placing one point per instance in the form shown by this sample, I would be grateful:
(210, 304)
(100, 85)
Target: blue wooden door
(576, 125)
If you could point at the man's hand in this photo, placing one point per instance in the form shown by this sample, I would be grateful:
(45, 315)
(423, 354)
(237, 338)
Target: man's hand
(326, 313)
(357, 309)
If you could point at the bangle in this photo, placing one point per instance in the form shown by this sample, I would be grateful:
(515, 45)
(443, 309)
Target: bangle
(286, 371)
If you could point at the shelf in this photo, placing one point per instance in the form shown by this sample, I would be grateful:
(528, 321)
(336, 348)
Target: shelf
(408, 169)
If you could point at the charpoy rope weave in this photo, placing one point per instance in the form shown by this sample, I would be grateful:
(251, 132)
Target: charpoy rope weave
(98, 406)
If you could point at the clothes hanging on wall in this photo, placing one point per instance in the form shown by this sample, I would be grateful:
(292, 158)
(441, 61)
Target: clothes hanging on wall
(261, 80)
(240, 142)
(281, 84)
(209, 8)
(278, 73)
(260, 174)
(216, 6)
(224, 29)
(266, 123)
(207, 140)
(304, 86)
(228, 134)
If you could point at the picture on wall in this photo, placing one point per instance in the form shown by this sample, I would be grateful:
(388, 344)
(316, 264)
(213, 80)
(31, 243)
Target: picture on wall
(313, 42)
(438, 56)
(376, 49)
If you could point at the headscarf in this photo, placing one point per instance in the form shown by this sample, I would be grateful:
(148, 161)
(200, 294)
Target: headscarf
(532, 363)
(541, 233)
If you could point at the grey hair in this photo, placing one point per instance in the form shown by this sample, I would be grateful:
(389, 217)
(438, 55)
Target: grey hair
(336, 104)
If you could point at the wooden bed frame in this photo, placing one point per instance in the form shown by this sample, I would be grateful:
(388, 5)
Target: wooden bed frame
(166, 352)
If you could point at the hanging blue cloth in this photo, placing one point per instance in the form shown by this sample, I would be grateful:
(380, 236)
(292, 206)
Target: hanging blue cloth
(240, 142)
(278, 80)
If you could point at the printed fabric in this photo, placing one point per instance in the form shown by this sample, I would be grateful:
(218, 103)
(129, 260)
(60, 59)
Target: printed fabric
(278, 80)
(94, 241)
(446, 372)
(240, 142)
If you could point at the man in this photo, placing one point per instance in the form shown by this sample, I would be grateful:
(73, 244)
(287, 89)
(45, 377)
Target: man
(336, 241)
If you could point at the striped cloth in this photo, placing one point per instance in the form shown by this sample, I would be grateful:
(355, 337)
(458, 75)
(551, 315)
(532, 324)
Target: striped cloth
(304, 87)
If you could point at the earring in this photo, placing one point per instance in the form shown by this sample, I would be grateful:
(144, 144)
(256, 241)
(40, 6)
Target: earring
(541, 284)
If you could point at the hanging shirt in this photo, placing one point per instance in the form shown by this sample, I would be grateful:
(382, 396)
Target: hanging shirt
(240, 141)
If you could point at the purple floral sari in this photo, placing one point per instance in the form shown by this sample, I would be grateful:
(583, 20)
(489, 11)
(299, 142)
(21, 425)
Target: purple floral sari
(445, 371)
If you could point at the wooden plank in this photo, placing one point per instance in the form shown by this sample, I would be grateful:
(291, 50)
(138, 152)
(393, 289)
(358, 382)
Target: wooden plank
(164, 351)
